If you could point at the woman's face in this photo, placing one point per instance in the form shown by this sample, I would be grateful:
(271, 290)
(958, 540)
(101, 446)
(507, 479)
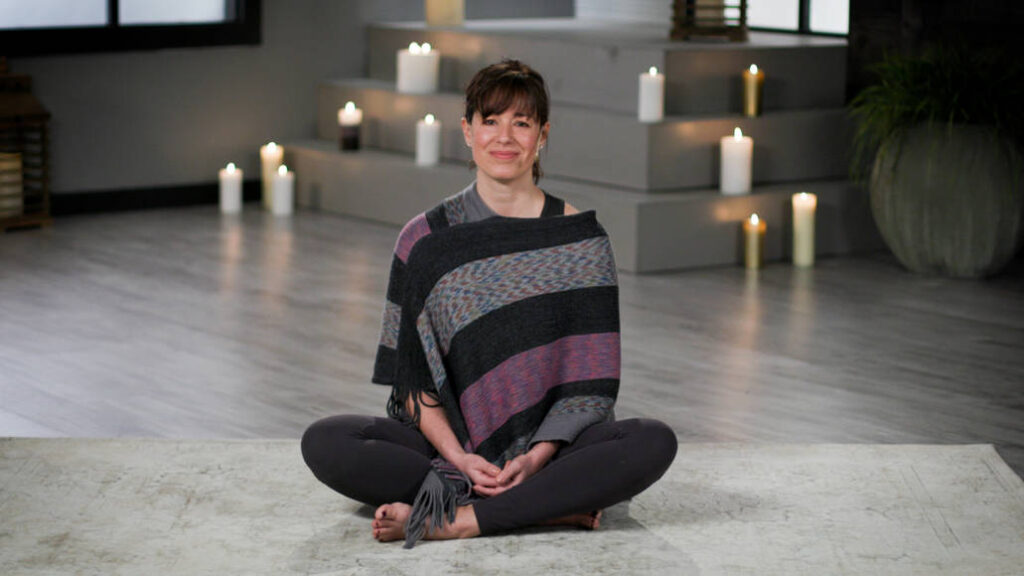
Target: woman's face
(505, 145)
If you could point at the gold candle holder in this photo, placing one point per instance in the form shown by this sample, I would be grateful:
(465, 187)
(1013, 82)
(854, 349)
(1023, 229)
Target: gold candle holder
(753, 90)
(445, 12)
(753, 242)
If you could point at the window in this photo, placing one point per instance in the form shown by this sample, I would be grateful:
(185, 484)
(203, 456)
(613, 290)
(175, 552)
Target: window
(830, 16)
(774, 14)
(52, 13)
(805, 16)
(175, 12)
(72, 26)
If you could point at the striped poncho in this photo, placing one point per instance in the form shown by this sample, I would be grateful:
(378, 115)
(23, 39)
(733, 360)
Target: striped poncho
(510, 323)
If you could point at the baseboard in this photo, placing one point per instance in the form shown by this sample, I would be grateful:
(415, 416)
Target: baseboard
(144, 198)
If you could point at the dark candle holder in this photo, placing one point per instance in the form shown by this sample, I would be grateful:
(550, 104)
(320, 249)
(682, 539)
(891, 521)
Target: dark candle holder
(348, 137)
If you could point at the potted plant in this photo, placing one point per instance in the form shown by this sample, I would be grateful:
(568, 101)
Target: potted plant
(938, 140)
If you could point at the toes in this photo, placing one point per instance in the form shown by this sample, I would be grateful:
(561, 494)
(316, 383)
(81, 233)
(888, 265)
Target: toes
(389, 522)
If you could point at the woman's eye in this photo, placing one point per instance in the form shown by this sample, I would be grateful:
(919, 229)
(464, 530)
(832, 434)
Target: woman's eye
(490, 121)
(523, 124)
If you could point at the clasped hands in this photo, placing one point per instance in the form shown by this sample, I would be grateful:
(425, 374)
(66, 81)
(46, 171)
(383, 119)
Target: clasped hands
(489, 480)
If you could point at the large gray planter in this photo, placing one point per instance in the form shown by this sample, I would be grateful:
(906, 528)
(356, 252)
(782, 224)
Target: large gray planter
(949, 199)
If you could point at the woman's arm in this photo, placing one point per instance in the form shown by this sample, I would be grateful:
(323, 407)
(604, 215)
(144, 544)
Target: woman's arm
(435, 427)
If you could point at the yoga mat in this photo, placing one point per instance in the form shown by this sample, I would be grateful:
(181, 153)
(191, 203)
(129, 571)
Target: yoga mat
(132, 506)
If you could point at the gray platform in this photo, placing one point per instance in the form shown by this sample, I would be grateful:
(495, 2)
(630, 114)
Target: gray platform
(654, 185)
(610, 147)
(596, 64)
(649, 231)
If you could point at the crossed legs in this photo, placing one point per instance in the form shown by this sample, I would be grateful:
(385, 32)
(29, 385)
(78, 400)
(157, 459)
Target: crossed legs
(379, 461)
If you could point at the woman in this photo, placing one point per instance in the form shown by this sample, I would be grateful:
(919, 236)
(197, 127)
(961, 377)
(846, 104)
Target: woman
(501, 344)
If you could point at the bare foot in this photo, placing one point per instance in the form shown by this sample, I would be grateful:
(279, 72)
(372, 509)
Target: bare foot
(389, 521)
(591, 521)
(389, 524)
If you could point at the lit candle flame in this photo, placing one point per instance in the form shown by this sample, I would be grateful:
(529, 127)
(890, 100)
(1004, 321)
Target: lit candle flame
(426, 47)
(753, 68)
(231, 168)
(805, 199)
(271, 147)
(350, 106)
(414, 48)
(282, 170)
(653, 71)
(737, 133)
(754, 219)
(428, 119)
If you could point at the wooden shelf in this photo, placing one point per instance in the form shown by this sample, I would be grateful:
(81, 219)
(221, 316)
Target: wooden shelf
(23, 131)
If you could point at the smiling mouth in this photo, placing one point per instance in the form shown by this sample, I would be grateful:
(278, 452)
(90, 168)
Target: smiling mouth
(504, 155)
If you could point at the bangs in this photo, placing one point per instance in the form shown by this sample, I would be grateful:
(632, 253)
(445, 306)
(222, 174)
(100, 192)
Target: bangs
(509, 93)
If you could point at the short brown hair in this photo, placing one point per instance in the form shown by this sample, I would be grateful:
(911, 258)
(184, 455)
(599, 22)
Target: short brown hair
(508, 84)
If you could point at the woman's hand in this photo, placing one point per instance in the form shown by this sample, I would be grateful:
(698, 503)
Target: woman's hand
(434, 426)
(519, 469)
(481, 472)
(515, 471)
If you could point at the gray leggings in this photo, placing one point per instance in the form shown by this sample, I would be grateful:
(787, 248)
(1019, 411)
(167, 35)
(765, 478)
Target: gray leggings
(378, 460)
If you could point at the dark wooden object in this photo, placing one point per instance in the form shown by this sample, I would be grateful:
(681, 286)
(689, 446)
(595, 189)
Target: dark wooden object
(709, 20)
(23, 130)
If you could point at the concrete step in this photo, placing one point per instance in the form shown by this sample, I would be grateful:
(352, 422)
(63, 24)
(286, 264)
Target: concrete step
(612, 148)
(650, 232)
(596, 64)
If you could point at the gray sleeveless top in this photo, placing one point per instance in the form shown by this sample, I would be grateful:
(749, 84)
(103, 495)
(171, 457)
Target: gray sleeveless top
(476, 210)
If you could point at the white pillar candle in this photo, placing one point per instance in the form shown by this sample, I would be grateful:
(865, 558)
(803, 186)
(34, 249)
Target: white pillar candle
(804, 206)
(350, 115)
(651, 107)
(445, 12)
(284, 190)
(271, 157)
(753, 241)
(350, 120)
(737, 159)
(417, 69)
(230, 189)
(753, 90)
(428, 141)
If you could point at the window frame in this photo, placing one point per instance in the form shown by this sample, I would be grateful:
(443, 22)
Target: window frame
(803, 24)
(242, 29)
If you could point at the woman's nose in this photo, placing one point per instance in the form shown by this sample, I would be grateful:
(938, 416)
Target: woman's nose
(505, 132)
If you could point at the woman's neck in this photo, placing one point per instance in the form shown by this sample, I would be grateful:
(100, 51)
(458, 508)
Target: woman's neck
(512, 200)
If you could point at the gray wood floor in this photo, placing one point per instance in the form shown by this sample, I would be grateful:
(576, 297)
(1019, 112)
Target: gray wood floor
(183, 323)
